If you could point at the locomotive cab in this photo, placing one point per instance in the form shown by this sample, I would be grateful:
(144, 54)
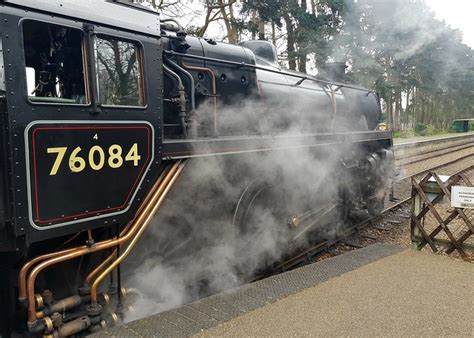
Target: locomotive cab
(82, 112)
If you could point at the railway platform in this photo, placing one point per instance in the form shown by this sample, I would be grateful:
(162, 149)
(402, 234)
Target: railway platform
(379, 290)
(446, 137)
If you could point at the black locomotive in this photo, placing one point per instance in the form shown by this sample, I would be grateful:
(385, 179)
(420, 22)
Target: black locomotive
(116, 124)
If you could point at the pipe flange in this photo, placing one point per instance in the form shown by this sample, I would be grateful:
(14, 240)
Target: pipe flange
(57, 319)
(104, 299)
(111, 319)
(93, 310)
(47, 297)
(23, 302)
(39, 303)
(84, 290)
(124, 292)
(48, 323)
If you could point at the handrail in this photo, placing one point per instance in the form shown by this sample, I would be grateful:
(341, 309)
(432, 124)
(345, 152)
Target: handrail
(248, 65)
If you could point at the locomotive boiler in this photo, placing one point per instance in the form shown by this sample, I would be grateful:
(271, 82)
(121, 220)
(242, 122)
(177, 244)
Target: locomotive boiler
(126, 143)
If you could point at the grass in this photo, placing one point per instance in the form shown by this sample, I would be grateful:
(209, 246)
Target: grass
(427, 131)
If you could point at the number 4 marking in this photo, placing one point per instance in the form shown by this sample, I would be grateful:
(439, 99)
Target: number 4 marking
(60, 151)
(96, 137)
(133, 155)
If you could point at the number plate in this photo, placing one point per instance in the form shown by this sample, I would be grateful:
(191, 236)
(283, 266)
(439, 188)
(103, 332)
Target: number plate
(84, 170)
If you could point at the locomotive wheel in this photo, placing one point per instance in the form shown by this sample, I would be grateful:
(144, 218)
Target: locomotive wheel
(375, 205)
(260, 229)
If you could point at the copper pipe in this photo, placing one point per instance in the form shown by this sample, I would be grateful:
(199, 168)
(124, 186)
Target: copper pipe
(84, 250)
(99, 267)
(68, 241)
(26, 267)
(111, 256)
(213, 88)
(146, 221)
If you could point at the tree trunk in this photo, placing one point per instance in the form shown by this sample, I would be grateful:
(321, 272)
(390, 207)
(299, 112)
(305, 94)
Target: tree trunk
(274, 40)
(228, 18)
(290, 42)
(261, 29)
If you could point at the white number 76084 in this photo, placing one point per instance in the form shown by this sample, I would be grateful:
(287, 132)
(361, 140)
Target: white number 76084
(96, 162)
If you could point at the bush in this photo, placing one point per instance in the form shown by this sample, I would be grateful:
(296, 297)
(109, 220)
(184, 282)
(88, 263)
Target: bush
(421, 129)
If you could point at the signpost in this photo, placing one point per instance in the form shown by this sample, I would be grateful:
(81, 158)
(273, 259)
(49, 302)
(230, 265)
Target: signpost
(462, 197)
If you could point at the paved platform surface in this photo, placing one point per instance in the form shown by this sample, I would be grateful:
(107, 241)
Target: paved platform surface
(377, 290)
(407, 294)
(217, 309)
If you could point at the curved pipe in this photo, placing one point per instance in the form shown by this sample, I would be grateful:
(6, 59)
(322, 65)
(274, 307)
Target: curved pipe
(27, 266)
(182, 99)
(111, 256)
(84, 250)
(135, 239)
(99, 267)
(213, 88)
(191, 81)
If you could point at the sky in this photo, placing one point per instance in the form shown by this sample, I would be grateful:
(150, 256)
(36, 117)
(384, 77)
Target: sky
(457, 14)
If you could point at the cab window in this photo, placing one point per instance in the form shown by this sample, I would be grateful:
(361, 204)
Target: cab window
(54, 63)
(118, 72)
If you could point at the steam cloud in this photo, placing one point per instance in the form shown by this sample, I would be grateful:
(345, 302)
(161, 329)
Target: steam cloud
(199, 243)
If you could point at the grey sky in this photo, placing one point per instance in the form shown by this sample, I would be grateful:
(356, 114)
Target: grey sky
(457, 14)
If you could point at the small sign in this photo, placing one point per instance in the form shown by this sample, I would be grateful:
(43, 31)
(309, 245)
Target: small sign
(462, 197)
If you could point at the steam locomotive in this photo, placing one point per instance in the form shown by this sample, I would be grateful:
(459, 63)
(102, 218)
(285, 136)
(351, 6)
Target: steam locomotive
(122, 137)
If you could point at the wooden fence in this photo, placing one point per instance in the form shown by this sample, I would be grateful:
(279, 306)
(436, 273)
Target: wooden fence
(434, 222)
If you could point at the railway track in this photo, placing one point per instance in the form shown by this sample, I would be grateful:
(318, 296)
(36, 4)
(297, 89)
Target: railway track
(347, 238)
(411, 159)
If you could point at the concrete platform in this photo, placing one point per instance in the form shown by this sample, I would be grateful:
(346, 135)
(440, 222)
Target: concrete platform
(399, 141)
(217, 309)
(379, 290)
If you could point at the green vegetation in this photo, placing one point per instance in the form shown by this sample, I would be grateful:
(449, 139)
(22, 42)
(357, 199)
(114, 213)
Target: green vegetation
(418, 64)
(421, 130)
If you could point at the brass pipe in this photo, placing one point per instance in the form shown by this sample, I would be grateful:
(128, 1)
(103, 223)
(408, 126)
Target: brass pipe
(73, 327)
(146, 221)
(26, 267)
(111, 256)
(213, 88)
(61, 306)
(99, 267)
(84, 250)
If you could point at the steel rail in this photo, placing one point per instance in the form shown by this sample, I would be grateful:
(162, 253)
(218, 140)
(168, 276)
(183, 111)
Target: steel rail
(434, 153)
(320, 247)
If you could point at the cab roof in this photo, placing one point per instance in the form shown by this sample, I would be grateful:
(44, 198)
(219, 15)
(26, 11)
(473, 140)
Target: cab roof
(116, 13)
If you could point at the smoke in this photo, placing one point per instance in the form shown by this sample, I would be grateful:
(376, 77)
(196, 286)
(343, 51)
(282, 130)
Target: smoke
(229, 217)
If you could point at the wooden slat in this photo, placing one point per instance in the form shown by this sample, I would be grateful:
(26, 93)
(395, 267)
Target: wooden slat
(437, 216)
